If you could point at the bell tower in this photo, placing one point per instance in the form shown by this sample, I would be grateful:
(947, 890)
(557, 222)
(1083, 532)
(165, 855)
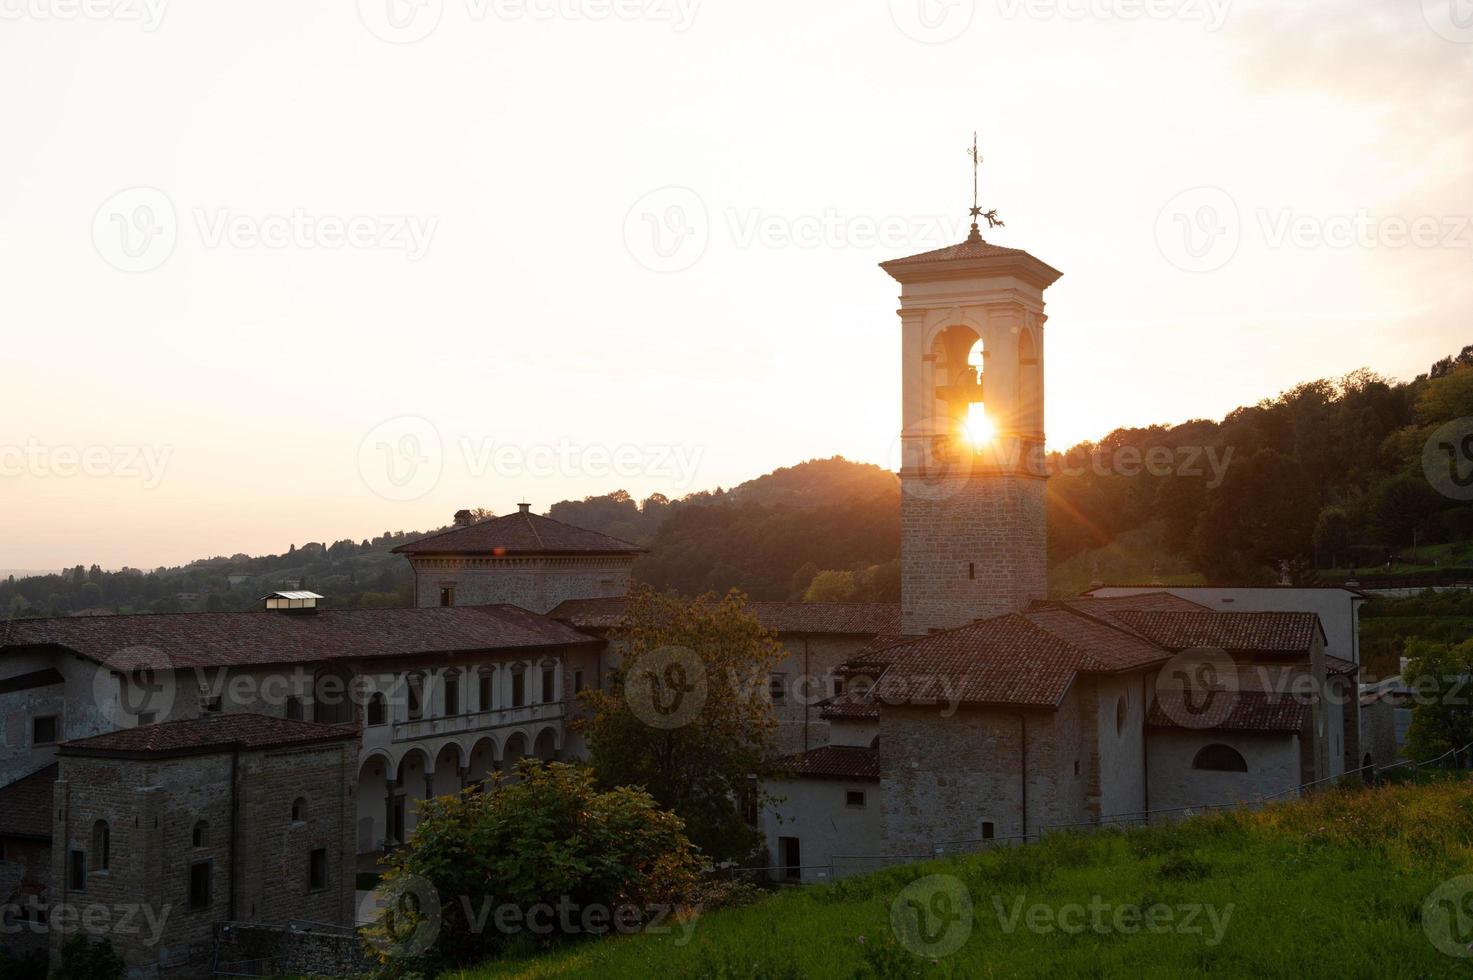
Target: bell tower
(972, 444)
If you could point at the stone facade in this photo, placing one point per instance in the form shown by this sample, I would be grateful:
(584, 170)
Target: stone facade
(537, 583)
(195, 841)
(972, 546)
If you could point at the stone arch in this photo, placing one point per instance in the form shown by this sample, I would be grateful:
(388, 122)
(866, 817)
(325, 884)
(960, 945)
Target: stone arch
(375, 779)
(448, 762)
(518, 746)
(1220, 758)
(547, 744)
(414, 775)
(959, 365)
(482, 758)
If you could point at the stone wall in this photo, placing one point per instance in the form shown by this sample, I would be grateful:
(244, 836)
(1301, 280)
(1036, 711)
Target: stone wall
(292, 952)
(971, 547)
(141, 900)
(535, 583)
(1273, 767)
(944, 777)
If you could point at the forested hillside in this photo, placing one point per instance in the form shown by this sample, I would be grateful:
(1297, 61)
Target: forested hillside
(1328, 477)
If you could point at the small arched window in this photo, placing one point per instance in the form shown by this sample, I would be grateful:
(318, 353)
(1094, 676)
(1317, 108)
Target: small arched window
(378, 710)
(1220, 758)
(299, 809)
(101, 845)
(201, 834)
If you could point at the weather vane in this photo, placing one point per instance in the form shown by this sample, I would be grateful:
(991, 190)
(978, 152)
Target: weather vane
(993, 221)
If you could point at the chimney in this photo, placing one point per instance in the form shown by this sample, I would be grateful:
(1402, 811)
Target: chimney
(463, 518)
(525, 508)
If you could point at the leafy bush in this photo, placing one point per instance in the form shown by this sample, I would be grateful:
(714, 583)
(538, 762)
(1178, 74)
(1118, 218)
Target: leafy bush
(82, 959)
(504, 864)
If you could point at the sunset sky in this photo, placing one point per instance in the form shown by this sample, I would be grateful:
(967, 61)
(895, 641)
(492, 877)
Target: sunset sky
(296, 270)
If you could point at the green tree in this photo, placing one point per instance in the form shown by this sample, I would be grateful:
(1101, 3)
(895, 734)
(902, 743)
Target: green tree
(1331, 534)
(688, 715)
(830, 586)
(1442, 718)
(548, 839)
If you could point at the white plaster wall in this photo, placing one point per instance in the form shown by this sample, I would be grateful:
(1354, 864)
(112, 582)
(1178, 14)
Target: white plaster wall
(1122, 749)
(829, 832)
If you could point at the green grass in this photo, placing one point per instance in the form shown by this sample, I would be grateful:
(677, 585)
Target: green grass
(1332, 886)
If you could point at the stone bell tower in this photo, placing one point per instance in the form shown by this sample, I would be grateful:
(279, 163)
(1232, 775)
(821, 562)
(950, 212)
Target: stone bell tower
(972, 446)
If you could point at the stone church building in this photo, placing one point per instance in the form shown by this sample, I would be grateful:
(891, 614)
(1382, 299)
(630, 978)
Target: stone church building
(241, 767)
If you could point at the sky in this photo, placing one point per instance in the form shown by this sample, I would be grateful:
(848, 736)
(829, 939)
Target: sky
(295, 270)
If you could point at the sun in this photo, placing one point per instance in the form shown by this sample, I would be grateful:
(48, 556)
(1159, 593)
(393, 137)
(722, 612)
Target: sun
(980, 429)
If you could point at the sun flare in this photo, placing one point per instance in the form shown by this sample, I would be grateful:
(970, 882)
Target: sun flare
(980, 429)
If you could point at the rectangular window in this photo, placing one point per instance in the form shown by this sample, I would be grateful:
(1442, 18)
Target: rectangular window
(452, 693)
(989, 830)
(294, 709)
(447, 596)
(854, 798)
(147, 717)
(76, 870)
(838, 686)
(484, 695)
(577, 681)
(518, 689)
(549, 685)
(212, 705)
(317, 869)
(414, 686)
(199, 885)
(43, 730)
(777, 686)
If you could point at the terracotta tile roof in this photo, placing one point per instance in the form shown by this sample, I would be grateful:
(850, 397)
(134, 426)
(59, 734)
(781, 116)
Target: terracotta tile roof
(25, 805)
(850, 706)
(212, 733)
(518, 534)
(257, 638)
(1008, 660)
(1107, 641)
(1252, 711)
(836, 618)
(963, 250)
(1336, 667)
(1237, 632)
(833, 762)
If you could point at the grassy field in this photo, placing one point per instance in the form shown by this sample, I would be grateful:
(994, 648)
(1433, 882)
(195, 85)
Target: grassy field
(1332, 886)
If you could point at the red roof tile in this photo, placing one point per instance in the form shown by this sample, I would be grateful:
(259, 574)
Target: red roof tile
(850, 706)
(1252, 711)
(1336, 667)
(25, 805)
(836, 618)
(189, 640)
(1237, 632)
(833, 762)
(518, 534)
(1008, 660)
(212, 733)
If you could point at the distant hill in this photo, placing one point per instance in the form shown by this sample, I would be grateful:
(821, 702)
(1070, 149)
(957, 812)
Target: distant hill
(1328, 477)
